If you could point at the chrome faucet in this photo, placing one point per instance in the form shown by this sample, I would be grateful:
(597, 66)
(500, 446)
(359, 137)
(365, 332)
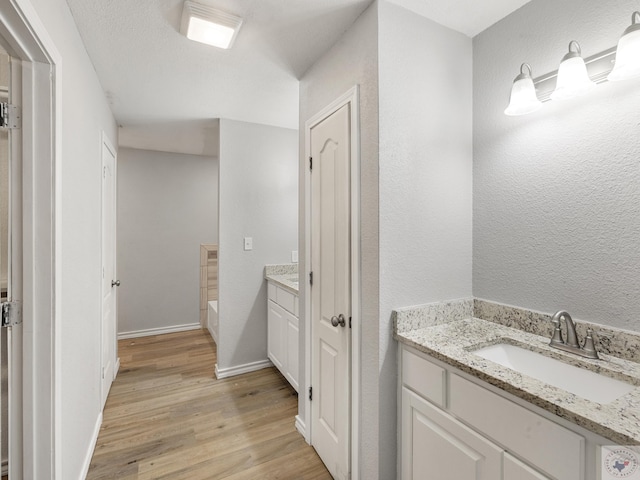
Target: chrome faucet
(571, 344)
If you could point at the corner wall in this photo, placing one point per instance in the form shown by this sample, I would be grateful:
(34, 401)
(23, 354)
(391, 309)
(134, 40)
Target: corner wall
(85, 115)
(556, 193)
(167, 207)
(353, 60)
(425, 76)
(257, 198)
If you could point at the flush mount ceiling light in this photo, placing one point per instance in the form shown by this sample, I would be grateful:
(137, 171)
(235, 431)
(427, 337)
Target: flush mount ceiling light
(576, 76)
(628, 53)
(206, 24)
(573, 79)
(523, 98)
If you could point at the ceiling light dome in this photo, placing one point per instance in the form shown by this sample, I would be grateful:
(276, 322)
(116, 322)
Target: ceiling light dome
(205, 24)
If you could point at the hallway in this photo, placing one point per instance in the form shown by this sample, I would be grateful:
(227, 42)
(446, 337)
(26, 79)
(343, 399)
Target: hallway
(167, 417)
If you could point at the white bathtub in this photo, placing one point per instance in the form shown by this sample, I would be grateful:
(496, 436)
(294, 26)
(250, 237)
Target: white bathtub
(212, 323)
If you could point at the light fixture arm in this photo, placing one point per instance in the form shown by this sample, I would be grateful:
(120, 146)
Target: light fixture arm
(523, 73)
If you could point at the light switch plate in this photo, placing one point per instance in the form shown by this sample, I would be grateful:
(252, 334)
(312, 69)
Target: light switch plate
(248, 243)
(294, 256)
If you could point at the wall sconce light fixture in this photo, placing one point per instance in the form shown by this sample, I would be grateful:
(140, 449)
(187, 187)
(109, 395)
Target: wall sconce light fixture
(523, 98)
(573, 79)
(628, 52)
(577, 76)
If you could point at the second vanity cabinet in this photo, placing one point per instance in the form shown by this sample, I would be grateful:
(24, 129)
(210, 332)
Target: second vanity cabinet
(283, 332)
(454, 428)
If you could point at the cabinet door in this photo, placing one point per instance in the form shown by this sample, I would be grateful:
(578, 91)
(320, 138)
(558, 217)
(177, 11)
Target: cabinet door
(275, 335)
(435, 446)
(293, 340)
(514, 469)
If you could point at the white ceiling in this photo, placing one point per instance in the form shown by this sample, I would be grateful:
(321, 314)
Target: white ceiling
(154, 75)
(467, 16)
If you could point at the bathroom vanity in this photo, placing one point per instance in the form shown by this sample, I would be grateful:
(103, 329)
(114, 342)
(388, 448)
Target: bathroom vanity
(282, 320)
(464, 415)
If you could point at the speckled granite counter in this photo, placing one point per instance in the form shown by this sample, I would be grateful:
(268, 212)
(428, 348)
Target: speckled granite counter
(285, 276)
(454, 341)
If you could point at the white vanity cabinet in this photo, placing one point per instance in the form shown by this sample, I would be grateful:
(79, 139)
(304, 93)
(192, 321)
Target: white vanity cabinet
(452, 428)
(282, 332)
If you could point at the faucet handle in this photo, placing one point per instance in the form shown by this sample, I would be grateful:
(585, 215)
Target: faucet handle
(557, 333)
(589, 345)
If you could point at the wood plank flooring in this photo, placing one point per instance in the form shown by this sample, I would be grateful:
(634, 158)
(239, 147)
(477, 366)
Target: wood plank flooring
(167, 417)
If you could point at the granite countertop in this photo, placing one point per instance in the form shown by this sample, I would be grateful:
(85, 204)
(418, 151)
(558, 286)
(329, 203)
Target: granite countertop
(285, 276)
(454, 341)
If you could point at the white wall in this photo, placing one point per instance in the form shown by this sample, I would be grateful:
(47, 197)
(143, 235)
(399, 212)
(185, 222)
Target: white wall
(353, 60)
(556, 193)
(425, 78)
(195, 137)
(85, 114)
(257, 198)
(167, 207)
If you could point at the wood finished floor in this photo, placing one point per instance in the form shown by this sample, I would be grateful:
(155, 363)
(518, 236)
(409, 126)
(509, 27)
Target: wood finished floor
(167, 417)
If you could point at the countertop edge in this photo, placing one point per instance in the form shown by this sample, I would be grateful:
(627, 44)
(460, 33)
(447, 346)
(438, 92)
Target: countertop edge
(283, 283)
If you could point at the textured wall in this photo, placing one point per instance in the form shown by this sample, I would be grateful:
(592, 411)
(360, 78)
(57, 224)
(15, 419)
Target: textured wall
(353, 60)
(556, 193)
(85, 115)
(425, 180)
(167, 207)
(258, 196)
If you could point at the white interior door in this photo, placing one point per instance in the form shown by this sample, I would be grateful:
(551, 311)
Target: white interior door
(109, 281)
(331, 290)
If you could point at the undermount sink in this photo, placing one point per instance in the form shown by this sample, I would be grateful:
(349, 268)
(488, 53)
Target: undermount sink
(579, 381)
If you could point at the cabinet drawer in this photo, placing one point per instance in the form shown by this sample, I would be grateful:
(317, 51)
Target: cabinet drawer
(286, 299)
(552, 448)
(424, 377)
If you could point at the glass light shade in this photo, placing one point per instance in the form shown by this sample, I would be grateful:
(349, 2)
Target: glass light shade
(523, 98)
(210, 33)
(573, 79)
(628, 53)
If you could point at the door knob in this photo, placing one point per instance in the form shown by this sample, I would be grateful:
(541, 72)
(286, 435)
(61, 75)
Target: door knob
(115, 283)
(339, 320)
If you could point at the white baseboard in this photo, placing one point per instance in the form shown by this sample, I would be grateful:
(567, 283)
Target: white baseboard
(159, 331)
(300, 426)
(213, 334)
(240, 369)
(92, 447)
(117, 369)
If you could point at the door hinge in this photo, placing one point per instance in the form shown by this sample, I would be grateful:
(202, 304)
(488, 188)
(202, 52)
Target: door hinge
(310, 393)
(11, 314)
(349, 322)
(310, 163)
(9, 116)
(310, 278)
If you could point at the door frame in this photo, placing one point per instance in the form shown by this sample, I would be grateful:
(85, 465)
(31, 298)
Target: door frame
(25, 38)
(350, 97)
(105, 142)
